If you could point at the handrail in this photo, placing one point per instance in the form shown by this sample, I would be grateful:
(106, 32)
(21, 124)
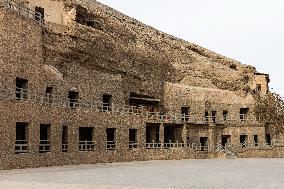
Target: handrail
(132, 145)
(86, 145)
(111, 145)
(21, 146)
(23, 94)
(44, 146)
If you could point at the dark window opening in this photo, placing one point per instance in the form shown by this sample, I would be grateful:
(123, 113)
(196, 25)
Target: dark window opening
(214, 116)
(21, 144)
(255, 139)
(107, 102)
(49, 95)
(268, 139)
(86, 142)
(185, 112)
(44, 143)
(225, 140)
(73, 99)
(83, 16)
(206, 116)
(243, 140)
(21, 89)
(204, 143)
(244, 114)
(132, 138)
(111, 139)
(64, 139)
(172, 134)
(258, 88)
(225, 115)
(152, 134)
(233, 66)
(39, 14)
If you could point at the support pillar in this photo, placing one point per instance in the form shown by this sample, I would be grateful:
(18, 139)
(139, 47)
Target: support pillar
(162, 135)
(184, 134)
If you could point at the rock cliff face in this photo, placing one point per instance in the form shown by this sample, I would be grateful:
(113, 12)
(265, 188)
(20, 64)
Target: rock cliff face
(103, 39)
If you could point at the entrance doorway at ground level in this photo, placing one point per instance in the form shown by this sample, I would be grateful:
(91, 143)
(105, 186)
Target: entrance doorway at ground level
(243, 140)
(204, 143)
(225, 140)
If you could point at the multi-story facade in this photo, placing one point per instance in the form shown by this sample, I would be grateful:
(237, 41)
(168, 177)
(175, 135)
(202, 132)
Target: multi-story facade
(88, 85)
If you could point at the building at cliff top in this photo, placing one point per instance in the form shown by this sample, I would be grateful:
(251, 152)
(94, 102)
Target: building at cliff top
(83, 83)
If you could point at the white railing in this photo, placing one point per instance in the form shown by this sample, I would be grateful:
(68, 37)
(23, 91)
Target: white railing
(22, 94)
(97, 106)
(44, 146)
(132, 145)
(64, 146)
(21, 146)
(86, 146)
(154, 145)
(176, 144)
(277, 142)
(243, 117)
(23, 10)
(111, 145)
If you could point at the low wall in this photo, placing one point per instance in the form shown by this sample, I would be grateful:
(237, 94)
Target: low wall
(274, 152)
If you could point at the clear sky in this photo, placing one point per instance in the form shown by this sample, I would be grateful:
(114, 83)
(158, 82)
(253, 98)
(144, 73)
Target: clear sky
(250, 31)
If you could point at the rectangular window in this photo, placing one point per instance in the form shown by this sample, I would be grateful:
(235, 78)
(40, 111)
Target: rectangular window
(153, 136)
(185, 112)
(111, 139)
(225, 115)
(107, 102)
(132, 138)
(44, 143)
(243, 141)
(204, 143)
(49, 95)
(21, 144)
(73, 99)
(21, 89)
(255, 138)
(214, 116)
(86, 142)
(64, 139)
(244, 114)
(268, 139)
(206, 116)
(39, 14)
(258, 88)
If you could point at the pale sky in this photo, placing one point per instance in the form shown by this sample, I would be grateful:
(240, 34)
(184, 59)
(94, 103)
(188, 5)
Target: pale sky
(250, 31)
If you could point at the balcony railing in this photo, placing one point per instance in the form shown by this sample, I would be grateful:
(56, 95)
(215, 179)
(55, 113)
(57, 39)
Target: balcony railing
(132, 145)
(111, 145)
(243, 117)
(22, 94)
(64, 146)
(44, 146)
(97, 106)
(176, 144)
(21, 146)
(154, 145)
(86, 146)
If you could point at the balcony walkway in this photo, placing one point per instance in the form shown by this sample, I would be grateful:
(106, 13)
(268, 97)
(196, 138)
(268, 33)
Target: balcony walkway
(25, 96)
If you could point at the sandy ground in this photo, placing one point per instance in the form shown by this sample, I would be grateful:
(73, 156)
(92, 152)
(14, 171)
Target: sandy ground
(213, 173)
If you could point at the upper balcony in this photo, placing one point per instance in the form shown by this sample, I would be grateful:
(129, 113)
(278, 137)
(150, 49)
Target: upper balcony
(53, 100)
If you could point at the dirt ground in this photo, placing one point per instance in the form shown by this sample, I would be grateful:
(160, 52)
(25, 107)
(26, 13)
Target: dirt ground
(213, 173)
